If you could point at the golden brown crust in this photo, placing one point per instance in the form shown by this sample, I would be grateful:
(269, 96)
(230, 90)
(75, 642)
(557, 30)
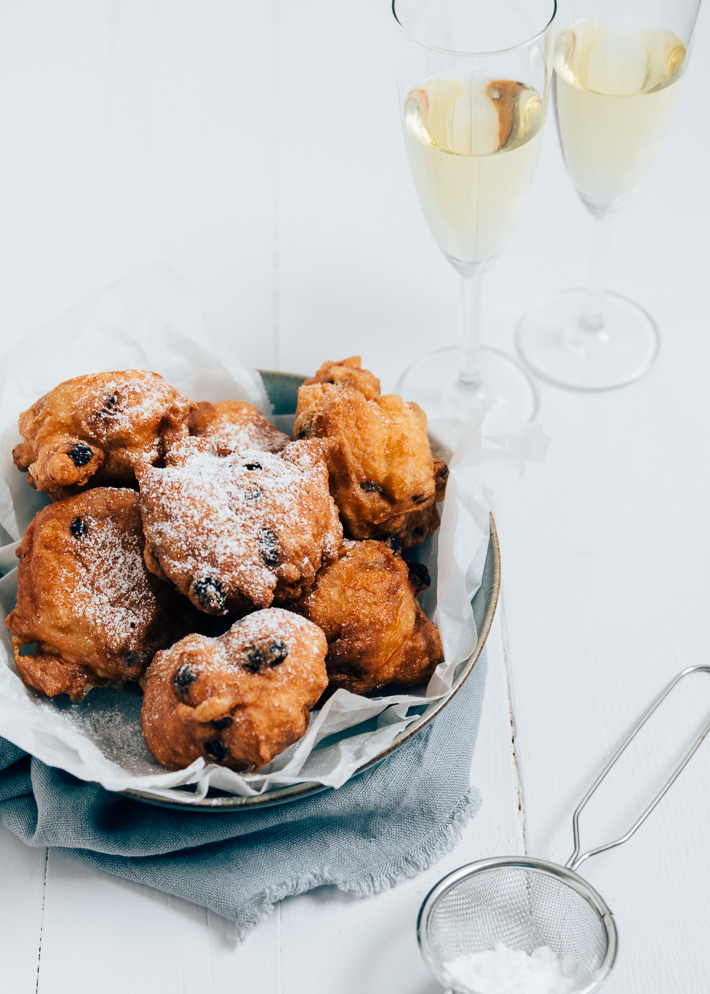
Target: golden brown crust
(49, 674)
(411, 528)
(237, 700)
(242, 530)
(348, 373)
(377, 634)
(86, 598)
(233, 426)
(382, 474)
(92, 430)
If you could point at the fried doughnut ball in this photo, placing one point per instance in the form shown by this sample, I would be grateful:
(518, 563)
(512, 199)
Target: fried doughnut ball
(92, 430)
(86, 598)
(348, 373)
(366, 603)
(232, 426)
(242, 530)
(237, 700)
(382, 474)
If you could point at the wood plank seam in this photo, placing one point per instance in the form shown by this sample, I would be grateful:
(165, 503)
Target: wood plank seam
(517, 768)
(41, 921)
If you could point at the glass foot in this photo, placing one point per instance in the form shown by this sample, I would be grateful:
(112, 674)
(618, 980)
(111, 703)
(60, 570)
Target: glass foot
(559, 350)
(433, 383)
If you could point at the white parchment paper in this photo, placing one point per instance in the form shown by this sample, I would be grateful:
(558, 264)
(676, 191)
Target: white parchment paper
(152, 320)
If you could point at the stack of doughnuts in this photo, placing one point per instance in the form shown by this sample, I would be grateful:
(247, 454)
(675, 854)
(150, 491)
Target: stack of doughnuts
(238, 576)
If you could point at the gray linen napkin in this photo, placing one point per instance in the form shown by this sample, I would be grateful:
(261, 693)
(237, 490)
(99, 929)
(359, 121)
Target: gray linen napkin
(387, 824)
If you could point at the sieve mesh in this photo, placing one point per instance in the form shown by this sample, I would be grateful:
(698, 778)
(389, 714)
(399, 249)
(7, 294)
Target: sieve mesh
(526, 902)
(524, 908)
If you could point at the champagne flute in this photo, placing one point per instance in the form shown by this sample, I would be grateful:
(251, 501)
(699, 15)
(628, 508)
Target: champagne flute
(474, 81)
(619, 68)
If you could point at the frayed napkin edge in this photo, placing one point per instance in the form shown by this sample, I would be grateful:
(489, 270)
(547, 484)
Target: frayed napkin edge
(430, 850)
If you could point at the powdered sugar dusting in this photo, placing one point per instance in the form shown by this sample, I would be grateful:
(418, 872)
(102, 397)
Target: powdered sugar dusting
(246, 521)
(127, 408)
(111, 720)
(112, 589)
(232, 426)
(285, 624)
(265, 625)
(512, 971)
(233, 439)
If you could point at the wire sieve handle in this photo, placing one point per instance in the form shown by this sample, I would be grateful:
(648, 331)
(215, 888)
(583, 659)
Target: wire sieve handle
(575, 859)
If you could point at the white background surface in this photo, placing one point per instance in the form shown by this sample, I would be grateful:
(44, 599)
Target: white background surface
(256, 147)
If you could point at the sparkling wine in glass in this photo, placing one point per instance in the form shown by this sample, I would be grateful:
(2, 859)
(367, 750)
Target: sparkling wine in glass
(619, 67)
(474, 80)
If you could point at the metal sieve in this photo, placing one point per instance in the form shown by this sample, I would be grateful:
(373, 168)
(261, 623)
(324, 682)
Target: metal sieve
(525, 902)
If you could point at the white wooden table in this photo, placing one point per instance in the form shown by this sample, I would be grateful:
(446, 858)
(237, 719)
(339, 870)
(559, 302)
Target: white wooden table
(256, 147)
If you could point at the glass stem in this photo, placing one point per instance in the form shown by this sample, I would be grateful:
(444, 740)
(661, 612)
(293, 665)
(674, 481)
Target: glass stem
(470, 354)
(592, 318)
